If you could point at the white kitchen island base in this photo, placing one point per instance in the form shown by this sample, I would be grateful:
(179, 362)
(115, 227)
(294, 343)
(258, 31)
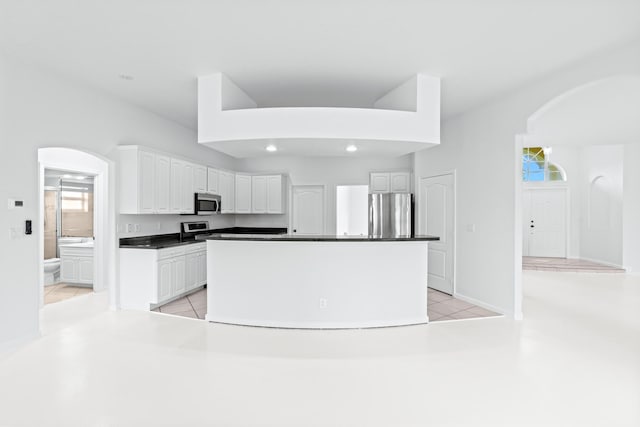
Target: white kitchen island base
(337, 283)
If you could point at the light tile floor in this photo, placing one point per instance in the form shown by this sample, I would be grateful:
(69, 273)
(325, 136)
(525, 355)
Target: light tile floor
(440, 307)
(566, 265)
(62, 291)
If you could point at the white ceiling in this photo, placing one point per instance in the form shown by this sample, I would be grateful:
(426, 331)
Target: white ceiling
(310, 53)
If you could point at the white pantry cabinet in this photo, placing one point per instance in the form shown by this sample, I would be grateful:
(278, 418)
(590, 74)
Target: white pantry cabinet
(390, 182)
(243, 193)
(227, 191)
(151, 277)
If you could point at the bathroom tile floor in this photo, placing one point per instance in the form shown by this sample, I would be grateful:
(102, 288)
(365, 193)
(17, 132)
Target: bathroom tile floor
(62, 291)
(440, 307)
(566, 265)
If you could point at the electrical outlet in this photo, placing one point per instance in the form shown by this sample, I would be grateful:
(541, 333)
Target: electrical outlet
(159, 226)
(129, 228)
(323, 303)
(137, 227)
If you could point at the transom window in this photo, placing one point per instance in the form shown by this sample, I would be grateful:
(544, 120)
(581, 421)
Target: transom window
(537, 167)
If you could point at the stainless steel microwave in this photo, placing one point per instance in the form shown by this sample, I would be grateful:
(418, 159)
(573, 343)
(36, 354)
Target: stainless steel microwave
(207, 204)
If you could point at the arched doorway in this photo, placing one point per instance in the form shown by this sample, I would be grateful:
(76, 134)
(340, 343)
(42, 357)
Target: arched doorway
(104, 251)
(601, 116)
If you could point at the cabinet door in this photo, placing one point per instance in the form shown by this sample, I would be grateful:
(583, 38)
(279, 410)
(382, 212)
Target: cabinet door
(259, 194)
(379, 183)
(68, 269)
(243, 193)
(177, 179)
(274, 194)
(200, 179)
(400, 182)
(146, 182)
(192, 271)
(227, 192)
(85, 270)
(188, 189)
(213, 181)
(163, 184)
(179, 275)
(165, 279)
(202, 268)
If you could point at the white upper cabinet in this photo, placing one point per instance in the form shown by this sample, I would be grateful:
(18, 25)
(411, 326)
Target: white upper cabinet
(400, 182)
(379, 183)
(146, 181)
(213, 181)
(390, 182)
(150, 182)
(259, 194)
(275, 192)
(243, 193)
(177, 183)
(188, 189)
(163, 183)
(227, 189)
(136, 180)
(200, 183)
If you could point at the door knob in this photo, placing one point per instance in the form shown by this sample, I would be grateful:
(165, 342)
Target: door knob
(295, 231)
(533, 226)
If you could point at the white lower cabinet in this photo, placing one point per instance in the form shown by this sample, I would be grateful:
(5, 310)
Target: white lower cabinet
(76, 265)
(154, 276)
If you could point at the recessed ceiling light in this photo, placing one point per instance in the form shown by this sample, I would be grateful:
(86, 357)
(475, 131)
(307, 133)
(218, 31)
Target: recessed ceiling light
(352, 148)
(79, 177)
(67, 176)
(271, 148)
(125, 76)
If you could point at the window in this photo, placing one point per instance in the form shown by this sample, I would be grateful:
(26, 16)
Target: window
(537, 167)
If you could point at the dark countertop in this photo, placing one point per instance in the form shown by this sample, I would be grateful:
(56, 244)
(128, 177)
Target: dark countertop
(319, 238)
(161, 241)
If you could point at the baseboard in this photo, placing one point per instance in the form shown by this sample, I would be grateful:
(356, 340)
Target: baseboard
(9, 346)
(485, 305)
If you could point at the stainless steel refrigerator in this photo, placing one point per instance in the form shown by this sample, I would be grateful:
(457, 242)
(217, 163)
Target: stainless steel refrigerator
(391, 215)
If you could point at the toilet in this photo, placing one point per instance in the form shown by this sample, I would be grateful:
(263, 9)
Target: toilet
(51, 271)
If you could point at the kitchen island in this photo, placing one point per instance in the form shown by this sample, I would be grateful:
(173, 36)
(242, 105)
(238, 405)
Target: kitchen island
(325, 282)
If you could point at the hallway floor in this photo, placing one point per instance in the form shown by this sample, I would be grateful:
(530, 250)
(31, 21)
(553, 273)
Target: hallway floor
(573, 361)
(566, 265)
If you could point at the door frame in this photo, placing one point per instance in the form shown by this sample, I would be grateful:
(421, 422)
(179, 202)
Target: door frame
(567, 211)
(420, 227)
(324, 204)
(104, 214)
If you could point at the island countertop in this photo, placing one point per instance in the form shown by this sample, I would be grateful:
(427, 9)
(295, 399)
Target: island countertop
(313, 238)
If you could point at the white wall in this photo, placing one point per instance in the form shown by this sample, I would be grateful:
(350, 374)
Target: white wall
(329, 171)
(39, 109)
(480, 144)
(601, 204)
(631, 209)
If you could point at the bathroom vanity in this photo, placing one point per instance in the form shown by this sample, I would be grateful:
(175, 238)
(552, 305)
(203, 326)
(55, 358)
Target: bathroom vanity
(76, 263)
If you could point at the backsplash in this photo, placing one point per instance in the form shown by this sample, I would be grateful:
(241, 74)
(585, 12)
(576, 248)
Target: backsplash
(144, 225)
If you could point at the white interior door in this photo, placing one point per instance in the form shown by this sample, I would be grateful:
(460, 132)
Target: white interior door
(308, 210)
(544, 222)
(437, 216)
